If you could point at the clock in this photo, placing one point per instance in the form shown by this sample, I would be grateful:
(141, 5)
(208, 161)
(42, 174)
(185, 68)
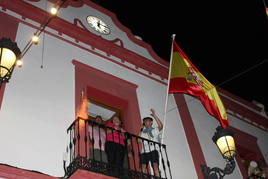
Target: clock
(98, 25)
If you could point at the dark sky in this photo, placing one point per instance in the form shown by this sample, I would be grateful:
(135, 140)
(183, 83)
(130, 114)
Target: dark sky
(226, 40)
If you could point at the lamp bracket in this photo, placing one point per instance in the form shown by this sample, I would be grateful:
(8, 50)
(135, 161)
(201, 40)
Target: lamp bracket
(217, 173)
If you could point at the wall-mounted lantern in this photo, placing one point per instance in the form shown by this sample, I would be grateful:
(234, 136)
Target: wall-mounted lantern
(9, 53)
(224, 140)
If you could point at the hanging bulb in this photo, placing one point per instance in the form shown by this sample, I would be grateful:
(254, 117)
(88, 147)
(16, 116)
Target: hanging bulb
(19, 63)
(54, 11)
(35, 39)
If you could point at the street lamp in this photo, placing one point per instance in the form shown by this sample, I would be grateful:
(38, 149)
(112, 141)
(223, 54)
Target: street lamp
(224, 140)
(9, 53)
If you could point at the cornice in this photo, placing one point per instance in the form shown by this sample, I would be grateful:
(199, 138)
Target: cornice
(29, 11)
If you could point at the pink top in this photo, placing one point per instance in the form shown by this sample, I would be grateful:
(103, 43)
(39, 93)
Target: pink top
(114, 136)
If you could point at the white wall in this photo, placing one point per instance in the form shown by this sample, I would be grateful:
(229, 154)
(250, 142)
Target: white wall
(182, 165)
(38, 107)
(205, 126)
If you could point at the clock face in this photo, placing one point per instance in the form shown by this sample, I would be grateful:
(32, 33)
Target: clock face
(98, 25)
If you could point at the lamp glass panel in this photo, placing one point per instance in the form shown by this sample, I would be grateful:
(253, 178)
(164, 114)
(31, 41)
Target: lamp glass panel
(226, 145)
(8, 59)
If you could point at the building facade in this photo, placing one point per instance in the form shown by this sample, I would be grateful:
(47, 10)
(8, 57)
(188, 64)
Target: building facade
(114, 69)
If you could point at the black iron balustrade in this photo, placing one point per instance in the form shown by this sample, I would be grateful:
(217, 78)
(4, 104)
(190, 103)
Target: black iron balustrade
(80, 156)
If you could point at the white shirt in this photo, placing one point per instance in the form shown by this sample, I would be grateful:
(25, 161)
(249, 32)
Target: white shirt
(149, 146)
(98, 134)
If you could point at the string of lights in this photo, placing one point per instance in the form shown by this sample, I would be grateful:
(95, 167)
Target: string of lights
(35, 38)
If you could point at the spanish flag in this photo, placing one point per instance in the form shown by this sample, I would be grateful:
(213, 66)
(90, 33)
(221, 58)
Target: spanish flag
(265, 2)
(186, 78)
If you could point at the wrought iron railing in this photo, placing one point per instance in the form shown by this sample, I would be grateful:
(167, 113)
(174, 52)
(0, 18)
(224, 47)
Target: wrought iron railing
(80, 153)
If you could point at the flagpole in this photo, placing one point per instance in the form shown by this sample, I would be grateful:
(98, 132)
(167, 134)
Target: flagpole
(170, 63)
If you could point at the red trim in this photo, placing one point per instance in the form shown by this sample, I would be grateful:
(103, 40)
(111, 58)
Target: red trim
(238, 116)
(191, 135)
(240, 100)
(2, 90)
(128, 32)
(241, 166)
(64, 27)
(247, 148)
(91, 51)
(80, 3)
(250, 115)
(249, 142)
(110, 90)
(83, 174)
(9, 30)
(13, 173)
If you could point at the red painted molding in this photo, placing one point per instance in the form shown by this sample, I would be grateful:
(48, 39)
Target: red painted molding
(91, 51)
(237, 108)
(248, 148)
(242, 169)
(110, 90)
(239, 99)
(10, 172)
(83, 174)
(248, 142)
(127, 31)
(9, 28)
(29, 11)
(2, 90)
(191, 135)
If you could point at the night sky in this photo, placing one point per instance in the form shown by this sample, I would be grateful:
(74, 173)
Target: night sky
(226, 40)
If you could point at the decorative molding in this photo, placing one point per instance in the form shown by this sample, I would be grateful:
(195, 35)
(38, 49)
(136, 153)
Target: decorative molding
(242, 118)
(29, 11)
(74, 3)
(78, 22)
(239, 99)
(91, 49)
(110, 90)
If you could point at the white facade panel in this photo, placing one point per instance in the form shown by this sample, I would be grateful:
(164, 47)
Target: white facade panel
(38, 106)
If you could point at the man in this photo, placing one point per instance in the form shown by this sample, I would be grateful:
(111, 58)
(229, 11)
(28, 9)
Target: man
(149, 151)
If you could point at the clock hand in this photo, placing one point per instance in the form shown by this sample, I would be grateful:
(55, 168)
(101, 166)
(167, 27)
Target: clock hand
(98, 24)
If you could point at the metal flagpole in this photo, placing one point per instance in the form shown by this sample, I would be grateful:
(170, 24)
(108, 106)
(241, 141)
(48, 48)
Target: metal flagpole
(171, 56)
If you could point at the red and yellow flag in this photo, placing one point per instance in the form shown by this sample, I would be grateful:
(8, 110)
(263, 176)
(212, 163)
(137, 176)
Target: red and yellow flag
(186, 78)
(265, 2)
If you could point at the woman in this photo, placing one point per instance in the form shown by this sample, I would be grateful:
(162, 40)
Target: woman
(115, 146)
(97, 140)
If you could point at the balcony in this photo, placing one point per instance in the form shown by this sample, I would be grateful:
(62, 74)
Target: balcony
(80, 156)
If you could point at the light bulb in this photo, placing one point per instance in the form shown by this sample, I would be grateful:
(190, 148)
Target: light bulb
(53, 11)
(35, 39)
(19, 63)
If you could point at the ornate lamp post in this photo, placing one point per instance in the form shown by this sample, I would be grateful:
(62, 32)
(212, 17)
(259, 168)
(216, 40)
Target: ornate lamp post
(224, 140)
(9, 53)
